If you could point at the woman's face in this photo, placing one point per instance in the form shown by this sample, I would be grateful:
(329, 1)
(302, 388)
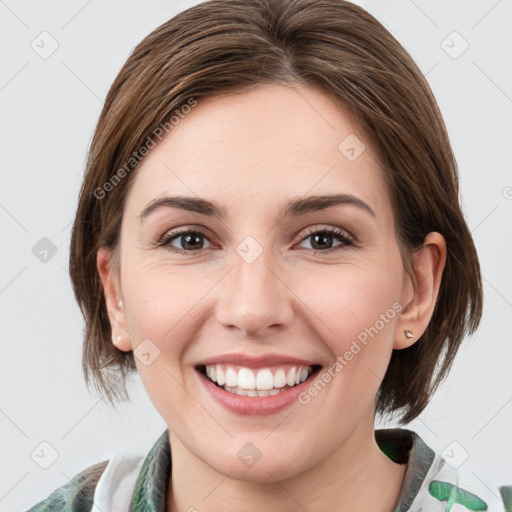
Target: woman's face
(257, 288)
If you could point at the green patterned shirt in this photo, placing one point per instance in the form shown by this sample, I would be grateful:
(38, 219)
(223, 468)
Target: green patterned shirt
(139, 484)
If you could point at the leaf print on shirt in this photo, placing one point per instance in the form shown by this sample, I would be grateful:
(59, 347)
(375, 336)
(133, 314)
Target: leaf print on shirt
(444, 491)
(506, 496)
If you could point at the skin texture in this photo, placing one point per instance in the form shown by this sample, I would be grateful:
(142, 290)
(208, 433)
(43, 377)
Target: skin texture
(251, 152)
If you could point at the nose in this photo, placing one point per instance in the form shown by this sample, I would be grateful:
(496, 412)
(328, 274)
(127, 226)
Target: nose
(254, 299)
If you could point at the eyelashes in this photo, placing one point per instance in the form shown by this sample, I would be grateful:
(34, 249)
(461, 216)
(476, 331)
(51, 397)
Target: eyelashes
(166, 240)
(346, 239)
(190, 236)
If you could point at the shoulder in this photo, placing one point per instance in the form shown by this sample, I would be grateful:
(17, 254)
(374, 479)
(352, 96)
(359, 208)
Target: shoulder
(463, 487)
(452, 482)
(126, 477)
(75, 496)
(439, 481)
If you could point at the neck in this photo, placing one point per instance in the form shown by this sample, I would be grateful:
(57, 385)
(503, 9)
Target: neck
(357, 476)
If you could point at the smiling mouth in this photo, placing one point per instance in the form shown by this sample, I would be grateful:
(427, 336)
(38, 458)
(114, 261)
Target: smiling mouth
(268, 381)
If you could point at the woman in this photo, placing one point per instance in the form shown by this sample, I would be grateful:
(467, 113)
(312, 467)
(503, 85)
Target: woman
(269, 233)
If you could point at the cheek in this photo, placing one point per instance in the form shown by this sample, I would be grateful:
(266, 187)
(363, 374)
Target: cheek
(355, 309)
(162, 303)
(162, 306)
(349, 299)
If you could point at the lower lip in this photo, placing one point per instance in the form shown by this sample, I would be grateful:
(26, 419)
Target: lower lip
(255, 405)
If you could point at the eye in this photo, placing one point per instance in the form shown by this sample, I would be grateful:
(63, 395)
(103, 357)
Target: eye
(191, 240)
(321, 239)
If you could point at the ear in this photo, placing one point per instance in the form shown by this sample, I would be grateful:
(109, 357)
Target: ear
(420, 290)
(110, 280)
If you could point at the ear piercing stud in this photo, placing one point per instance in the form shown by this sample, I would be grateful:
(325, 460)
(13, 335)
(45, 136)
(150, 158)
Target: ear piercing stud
(408, 333)
(118, 340)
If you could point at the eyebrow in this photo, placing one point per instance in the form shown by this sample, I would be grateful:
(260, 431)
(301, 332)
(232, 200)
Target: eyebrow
(294, 208)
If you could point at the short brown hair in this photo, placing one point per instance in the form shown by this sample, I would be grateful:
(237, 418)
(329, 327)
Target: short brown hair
(222, 46)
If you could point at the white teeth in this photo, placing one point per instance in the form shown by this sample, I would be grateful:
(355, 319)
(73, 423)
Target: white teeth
(247, 382)
(231, 377)
(264, 380)
(279, 379)
(221, 379)
(246, 379)
(290, 378)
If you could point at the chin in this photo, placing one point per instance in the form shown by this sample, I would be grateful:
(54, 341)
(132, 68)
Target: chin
(270, 464)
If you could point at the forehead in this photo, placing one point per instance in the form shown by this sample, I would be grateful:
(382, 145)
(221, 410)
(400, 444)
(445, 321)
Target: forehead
(266, 144)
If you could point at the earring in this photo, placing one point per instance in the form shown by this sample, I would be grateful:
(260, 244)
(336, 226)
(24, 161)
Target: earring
(408, 333)
(118, 340)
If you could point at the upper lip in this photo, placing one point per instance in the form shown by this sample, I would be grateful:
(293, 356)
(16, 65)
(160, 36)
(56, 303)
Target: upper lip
(255, 361)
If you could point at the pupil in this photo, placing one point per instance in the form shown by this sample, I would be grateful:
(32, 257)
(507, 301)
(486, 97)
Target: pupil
(187, 241)
(323, 237)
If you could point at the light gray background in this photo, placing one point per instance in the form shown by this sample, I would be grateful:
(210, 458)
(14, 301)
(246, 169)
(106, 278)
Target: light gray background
(49, 110)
